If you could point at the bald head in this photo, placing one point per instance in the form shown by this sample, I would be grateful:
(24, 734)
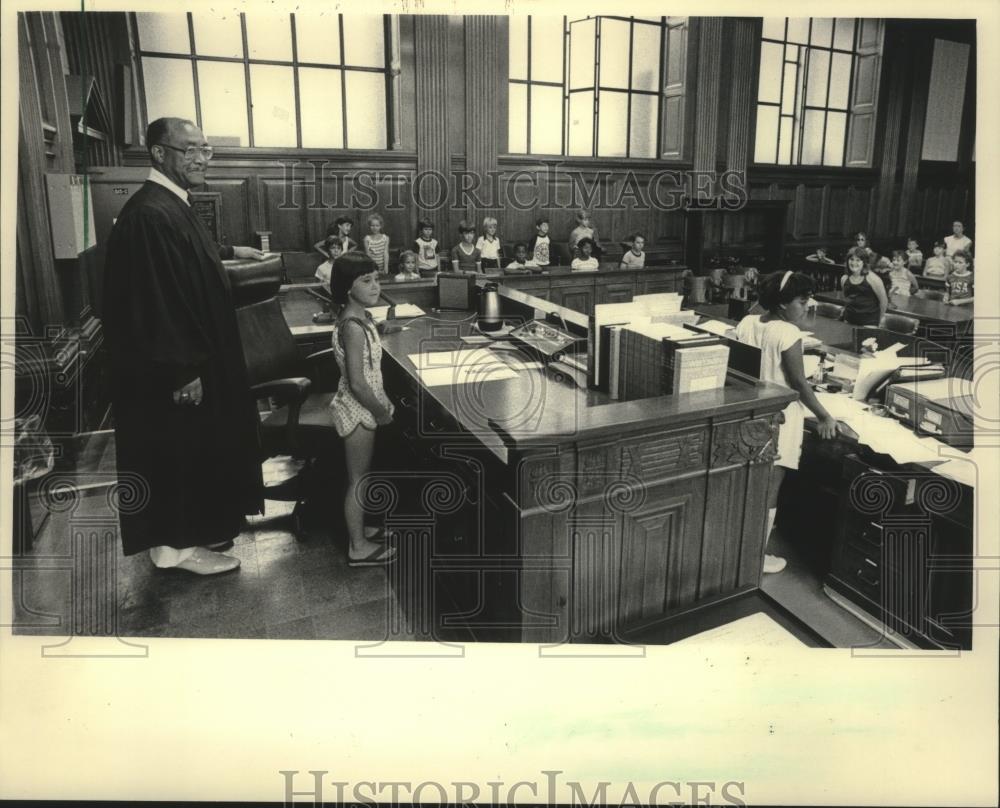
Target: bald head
(163, 129)
(169, 142)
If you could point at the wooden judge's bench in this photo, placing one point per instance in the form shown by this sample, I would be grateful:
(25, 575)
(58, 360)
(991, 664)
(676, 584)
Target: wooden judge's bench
(531, 509)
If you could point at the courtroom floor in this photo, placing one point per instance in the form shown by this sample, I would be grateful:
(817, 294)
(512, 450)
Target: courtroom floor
(287, 587)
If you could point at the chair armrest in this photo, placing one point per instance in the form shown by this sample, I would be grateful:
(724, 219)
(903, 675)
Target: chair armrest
(291, 389)
(323, 371)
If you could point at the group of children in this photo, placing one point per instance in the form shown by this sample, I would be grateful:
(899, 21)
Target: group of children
(869, 278)
(471, 254)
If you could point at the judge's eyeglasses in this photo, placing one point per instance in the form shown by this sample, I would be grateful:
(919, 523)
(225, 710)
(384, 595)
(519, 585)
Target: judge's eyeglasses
(191, 151)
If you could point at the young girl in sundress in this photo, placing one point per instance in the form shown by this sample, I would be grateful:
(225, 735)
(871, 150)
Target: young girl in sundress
(360, 404)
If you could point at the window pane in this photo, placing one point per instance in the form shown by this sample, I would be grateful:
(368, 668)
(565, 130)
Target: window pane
(788, 94)
(642, 137)
(766, 142)
(317, 39)
(612, 120)
(517, 118)
(581, 54)
(836, 128)
(321, 108)
(222, 86)
(167, 33)
(819, 64)
(365, 110)
(646, 57)
(269, 36)
(812, 138)
(517, 48)
(614, 53)
(822, 31)
(840, 81)
(364, 41)
(546, 120)
(273, 95)
(843, 34)
(774, 28)
(798, 30)
(769, 86)
(792, 53)
(581, 123)
(785, 142)
(169, 88)
(547, 49)
(218, 36)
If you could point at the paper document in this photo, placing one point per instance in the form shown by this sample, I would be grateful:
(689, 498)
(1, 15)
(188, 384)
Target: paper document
(466, 374)
(716, 327)
(463, 357)
(403, 311)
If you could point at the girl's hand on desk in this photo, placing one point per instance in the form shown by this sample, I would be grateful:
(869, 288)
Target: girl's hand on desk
(827, 428)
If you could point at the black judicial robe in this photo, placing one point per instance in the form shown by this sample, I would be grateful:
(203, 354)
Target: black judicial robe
(188, 473)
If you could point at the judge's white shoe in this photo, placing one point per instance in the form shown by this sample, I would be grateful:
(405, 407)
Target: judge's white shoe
(205, 562)
(773, 563)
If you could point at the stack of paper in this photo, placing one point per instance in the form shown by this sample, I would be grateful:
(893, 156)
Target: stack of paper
(404, 311)
(462, 366)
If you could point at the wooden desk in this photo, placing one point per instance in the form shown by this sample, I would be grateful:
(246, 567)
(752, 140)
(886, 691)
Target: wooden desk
(834, 334)
(532, 510)
(929, 312)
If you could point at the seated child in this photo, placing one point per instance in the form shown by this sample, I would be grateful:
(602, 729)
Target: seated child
(425, 246)
(959, 284)
(464, 255)
(331, 247)
(407, 267)
(882, 268)
(489, 246)
(341, 229)
(938, 265)
(634, 258)
(586, 262)
(914, 257)
(820, 257)
(540, 245)
(584, 229)
(521, 263)
(902, 282)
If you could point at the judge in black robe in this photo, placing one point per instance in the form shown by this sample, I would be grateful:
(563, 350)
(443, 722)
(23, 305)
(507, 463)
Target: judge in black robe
(170, 322)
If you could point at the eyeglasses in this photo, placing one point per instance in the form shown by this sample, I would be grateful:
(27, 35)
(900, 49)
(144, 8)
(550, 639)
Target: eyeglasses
(191, 151)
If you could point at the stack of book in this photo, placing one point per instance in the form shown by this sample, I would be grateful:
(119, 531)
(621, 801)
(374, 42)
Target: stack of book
(655, 360)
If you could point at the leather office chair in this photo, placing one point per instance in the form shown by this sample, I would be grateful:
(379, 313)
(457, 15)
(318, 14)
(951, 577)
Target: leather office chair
(901, 324)
(298, 391)
(832, 311)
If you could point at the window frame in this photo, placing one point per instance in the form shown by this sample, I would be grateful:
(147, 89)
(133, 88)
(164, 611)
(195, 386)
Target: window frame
(390, 35)
(596, 88)
(801, 93)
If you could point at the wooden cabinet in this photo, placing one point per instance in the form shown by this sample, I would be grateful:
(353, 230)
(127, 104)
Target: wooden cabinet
(607, 291)
(903, 553)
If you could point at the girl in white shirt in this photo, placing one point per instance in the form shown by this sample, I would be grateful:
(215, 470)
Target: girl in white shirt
(785, 296)
(490, 249)
(586, 262)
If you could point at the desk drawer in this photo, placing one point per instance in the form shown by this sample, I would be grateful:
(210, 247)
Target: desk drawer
(861, 571)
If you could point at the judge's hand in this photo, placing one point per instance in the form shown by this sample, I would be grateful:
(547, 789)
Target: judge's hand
(190, 393)
(248, 252)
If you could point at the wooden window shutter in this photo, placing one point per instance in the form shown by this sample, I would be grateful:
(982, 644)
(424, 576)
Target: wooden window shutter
(864, 94)
(674, 88)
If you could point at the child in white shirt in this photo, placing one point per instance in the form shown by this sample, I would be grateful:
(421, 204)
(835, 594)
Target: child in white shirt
(634, 258)
(489, 246)
(586, 262)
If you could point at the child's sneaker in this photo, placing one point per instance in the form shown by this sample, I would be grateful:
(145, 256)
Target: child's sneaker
(773, 563)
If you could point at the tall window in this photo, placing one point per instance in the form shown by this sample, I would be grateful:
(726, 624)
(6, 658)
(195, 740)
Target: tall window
(804, 90)
(586, 87)
(288, 80)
